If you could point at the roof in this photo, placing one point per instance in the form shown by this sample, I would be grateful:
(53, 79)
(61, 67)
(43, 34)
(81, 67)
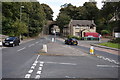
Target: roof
(82, 23)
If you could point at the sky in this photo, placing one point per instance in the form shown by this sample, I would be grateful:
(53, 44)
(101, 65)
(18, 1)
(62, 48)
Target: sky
(55, 4)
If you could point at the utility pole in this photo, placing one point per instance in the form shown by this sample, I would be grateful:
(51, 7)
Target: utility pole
(20, 17)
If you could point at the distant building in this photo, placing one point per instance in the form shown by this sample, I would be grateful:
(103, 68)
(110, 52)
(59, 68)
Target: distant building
(79, 27)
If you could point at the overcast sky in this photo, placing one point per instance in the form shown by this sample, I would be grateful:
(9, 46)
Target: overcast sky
(55, 4)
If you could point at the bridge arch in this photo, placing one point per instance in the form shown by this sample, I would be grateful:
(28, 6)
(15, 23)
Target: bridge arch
(47, 29)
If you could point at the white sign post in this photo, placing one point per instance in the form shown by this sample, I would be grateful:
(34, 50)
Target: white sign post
(55, 35)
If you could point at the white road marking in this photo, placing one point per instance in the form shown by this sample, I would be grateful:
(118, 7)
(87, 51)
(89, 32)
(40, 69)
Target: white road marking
(38, 72)
(107, 59)
(37, 76)
(30, 71)
(40, 68)
(41, 64)
(27, 75)
(31, 45)
(113, 66)
(68, 63)
(69, 77)
(36, 42)
(33, 67)
(61, 63)
(21, 49)
(37, 58)
(34, 64)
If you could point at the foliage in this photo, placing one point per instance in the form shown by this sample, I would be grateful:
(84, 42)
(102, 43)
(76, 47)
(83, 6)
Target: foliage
(103, 32)
(19, 28)
(62, 20)
(116, 40)
(33, 18)
(48, 11)
(70, 36)
(89, 11)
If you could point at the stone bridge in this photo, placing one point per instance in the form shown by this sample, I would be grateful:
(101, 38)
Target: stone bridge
(47, 28)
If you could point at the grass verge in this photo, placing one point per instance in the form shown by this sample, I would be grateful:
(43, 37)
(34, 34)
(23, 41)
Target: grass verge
(113, 45)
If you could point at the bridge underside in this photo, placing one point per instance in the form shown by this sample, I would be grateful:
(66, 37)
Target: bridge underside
(47, 29)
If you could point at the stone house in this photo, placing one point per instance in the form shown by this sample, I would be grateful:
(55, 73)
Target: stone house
(79, 27)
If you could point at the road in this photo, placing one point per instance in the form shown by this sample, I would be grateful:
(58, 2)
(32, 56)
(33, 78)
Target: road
(61, 61)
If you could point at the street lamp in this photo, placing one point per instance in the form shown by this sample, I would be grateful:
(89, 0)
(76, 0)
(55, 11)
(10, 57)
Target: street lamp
(21, 11)
(21, 15)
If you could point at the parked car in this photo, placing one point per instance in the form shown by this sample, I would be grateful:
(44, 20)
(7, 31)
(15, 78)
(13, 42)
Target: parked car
(71, 41)
(11, 41)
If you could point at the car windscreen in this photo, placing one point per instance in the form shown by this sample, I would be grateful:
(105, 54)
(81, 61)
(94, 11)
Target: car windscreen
(10, 39)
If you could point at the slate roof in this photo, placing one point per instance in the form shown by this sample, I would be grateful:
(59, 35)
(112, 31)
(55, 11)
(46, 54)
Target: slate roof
(82, 23)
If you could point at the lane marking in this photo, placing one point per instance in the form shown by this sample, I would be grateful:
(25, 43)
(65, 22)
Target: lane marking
(37, 58)
(31, 45)
(41, 62)
(27, 75)
(40, 68)
(34, 64)
(61, 63)
(33, 67)
(113, 66)
(36, 42)
(21, 49)
(30, 71)
(41, 65)
(37, 76)
(39, 72)
(107, 59)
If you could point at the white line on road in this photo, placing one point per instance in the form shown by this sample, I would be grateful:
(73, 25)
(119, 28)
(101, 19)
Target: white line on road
(39, 72)
(37, 58)
(30, 71)
(21, 49)
(31, 45)
(27, 75)
(36, 42)
(113, 66)
(37, 77)
(61, 63)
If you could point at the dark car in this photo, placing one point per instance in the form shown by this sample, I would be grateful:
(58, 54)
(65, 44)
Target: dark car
(71, 41)
(11, 41)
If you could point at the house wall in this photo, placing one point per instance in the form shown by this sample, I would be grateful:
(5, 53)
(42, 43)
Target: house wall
(77, 30)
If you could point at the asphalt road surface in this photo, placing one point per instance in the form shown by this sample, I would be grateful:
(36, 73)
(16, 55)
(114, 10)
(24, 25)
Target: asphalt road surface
(61, 61)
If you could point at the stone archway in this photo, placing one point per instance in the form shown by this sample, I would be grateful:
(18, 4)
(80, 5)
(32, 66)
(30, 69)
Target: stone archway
(47, 29)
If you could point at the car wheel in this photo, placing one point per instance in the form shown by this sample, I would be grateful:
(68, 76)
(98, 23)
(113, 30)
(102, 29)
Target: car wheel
(18, 44)
(13, 45)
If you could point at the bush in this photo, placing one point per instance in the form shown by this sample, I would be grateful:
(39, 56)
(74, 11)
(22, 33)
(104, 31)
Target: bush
(70, 36)
(104, 32)
(116, 40)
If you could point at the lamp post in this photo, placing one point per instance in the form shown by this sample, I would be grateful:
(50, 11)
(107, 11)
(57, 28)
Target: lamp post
(21, 15)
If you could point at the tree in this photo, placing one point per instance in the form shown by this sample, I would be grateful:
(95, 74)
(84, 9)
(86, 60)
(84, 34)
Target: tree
(33, 18)
(62, 20)
(48, 11)
(19, 28)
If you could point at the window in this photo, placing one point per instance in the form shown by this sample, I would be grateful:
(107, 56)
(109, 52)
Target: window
(77, 27)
